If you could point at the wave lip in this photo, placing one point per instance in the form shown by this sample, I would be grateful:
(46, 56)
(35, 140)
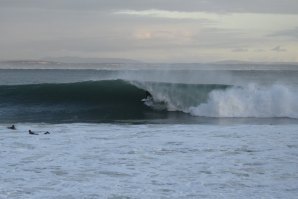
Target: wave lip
(251, 101)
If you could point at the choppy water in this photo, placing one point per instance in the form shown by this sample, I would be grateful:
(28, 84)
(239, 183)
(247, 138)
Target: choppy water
(149, 161)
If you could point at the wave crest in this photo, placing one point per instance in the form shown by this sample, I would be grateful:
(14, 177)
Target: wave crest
(251, 101)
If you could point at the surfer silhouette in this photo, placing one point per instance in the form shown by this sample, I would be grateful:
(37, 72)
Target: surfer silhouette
(12, 127)
(47, 132)
(32, 133)
(148, 100)
(148, 95)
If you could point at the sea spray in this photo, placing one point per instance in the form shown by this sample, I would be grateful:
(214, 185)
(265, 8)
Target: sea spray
(251, 101)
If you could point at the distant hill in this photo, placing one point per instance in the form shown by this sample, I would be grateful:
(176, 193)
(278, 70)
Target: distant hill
(29, 62)
(123, 64)
(69, 62)
(234, 62)
(90, 60)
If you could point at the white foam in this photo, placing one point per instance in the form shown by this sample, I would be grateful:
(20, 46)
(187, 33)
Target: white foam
(251, 101)
(149, 161)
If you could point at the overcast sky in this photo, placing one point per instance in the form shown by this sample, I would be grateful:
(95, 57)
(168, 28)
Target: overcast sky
(150, 30)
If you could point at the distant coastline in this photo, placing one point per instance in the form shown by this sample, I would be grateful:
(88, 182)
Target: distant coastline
(127, 64)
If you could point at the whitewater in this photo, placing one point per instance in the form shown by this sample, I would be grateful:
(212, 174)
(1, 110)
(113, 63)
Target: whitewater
(149, 161)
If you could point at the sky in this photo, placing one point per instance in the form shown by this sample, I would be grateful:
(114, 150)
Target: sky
(150, 30)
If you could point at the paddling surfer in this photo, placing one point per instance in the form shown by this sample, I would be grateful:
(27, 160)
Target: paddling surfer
(12, 127)
(32, 133)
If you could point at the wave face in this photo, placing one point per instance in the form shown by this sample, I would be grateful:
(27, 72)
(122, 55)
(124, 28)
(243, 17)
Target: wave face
(114, 100)
(74, 102)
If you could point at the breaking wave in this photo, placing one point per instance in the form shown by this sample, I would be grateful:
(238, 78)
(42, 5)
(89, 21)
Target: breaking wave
(251, 101)
(112, 100)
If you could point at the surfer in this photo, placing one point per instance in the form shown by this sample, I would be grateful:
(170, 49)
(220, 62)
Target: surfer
(148, 100)
(32, 133)
(47, 132)
(148, 95)
(12, 127)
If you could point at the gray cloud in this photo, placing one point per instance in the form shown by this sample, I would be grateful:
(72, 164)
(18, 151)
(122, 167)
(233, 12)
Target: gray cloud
(240, 50)
(259, 50)
(41, 28)
(279, 49)
(292, 33)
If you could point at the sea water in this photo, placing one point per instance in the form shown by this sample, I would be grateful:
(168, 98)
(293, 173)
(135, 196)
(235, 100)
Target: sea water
(215, 134)
(149, 161)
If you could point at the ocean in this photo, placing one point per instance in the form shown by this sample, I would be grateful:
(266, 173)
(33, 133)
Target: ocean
(157, 132)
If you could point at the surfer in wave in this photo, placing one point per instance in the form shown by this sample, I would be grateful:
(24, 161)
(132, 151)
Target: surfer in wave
(147, 94)
(148, 100)
(151, 102)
